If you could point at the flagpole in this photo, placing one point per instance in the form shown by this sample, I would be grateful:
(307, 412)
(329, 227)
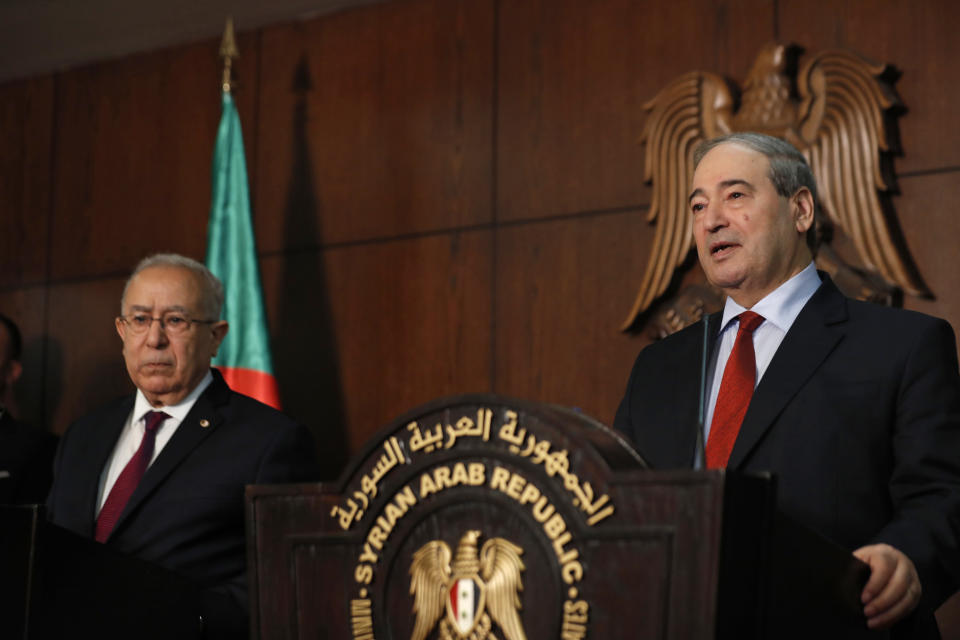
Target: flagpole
(228, 51)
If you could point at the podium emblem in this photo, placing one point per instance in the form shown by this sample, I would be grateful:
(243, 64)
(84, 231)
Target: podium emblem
(467, 589)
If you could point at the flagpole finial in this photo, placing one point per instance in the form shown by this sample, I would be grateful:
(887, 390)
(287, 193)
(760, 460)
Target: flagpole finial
(228, 51)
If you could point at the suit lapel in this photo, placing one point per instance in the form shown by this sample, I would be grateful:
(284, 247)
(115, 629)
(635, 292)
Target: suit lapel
(814, 334)
(202, 420)
(91, 466)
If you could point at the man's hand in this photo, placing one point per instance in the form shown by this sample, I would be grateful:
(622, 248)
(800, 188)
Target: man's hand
(893, 589)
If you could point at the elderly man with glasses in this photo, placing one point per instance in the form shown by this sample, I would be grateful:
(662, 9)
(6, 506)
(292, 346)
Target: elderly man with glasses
(160, 475)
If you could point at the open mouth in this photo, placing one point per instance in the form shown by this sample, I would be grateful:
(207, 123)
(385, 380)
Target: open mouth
(721, 248)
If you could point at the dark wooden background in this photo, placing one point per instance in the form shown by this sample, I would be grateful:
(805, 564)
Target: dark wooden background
(447, 193)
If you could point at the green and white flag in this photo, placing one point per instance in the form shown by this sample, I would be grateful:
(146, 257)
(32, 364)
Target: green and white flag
(244, 357)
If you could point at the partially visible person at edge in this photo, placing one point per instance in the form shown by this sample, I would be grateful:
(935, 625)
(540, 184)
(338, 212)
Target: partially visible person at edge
(26, 453)
(187, 511)
(856, 407)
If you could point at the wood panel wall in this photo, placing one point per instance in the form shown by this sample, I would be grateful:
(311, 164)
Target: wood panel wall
(447, 193)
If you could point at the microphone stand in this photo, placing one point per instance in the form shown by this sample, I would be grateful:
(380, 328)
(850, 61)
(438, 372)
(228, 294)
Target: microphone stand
(699, 455)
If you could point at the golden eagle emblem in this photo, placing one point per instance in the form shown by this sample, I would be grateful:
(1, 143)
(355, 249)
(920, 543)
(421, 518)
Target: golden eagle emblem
(833, 110)
(467, 589)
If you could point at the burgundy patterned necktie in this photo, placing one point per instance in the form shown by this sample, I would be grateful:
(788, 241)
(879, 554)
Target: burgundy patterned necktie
(129, 478)
(736, 389)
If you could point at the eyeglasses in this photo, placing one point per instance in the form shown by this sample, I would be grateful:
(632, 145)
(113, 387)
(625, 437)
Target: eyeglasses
(172, 323)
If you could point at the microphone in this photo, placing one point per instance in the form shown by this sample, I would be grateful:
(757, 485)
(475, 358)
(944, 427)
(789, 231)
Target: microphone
(699, 455)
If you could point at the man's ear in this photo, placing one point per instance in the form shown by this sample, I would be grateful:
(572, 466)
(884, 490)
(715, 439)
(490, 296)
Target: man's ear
(219, 330)
(121, 326)
(802, 208)
(14, 371)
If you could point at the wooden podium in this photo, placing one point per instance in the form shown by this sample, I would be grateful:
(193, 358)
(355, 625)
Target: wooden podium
(481, 517)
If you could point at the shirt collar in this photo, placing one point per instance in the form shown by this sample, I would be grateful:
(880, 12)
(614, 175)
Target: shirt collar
(781, 306)
(177, 411)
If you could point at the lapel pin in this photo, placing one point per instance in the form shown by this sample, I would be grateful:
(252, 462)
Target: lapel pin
(204, 423)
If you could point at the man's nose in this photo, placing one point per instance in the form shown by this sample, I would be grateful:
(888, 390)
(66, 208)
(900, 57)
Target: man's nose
(714, 217)
(156, 336)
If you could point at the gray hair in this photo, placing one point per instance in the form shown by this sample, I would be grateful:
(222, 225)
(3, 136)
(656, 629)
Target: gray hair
(212, 288)
(789, 170)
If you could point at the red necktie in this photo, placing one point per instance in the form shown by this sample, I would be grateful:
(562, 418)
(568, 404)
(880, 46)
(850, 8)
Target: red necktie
(129, 478)
(736, 389)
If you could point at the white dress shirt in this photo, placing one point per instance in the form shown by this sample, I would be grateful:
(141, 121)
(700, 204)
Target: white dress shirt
(133, 430)
(779, 309)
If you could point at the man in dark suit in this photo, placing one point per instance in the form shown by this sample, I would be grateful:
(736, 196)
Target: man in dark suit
(855, 407)
(26, 454)
(161, 475)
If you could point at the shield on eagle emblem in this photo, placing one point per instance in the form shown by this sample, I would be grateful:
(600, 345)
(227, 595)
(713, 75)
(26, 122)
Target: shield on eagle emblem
(465, 604)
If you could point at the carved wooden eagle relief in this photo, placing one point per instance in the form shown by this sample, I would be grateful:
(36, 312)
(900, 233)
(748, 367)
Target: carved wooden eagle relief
(836, 112)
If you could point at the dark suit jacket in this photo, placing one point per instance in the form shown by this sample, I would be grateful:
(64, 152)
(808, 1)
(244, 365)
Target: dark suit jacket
(858, 415)
(187, 513)
(26, 462)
